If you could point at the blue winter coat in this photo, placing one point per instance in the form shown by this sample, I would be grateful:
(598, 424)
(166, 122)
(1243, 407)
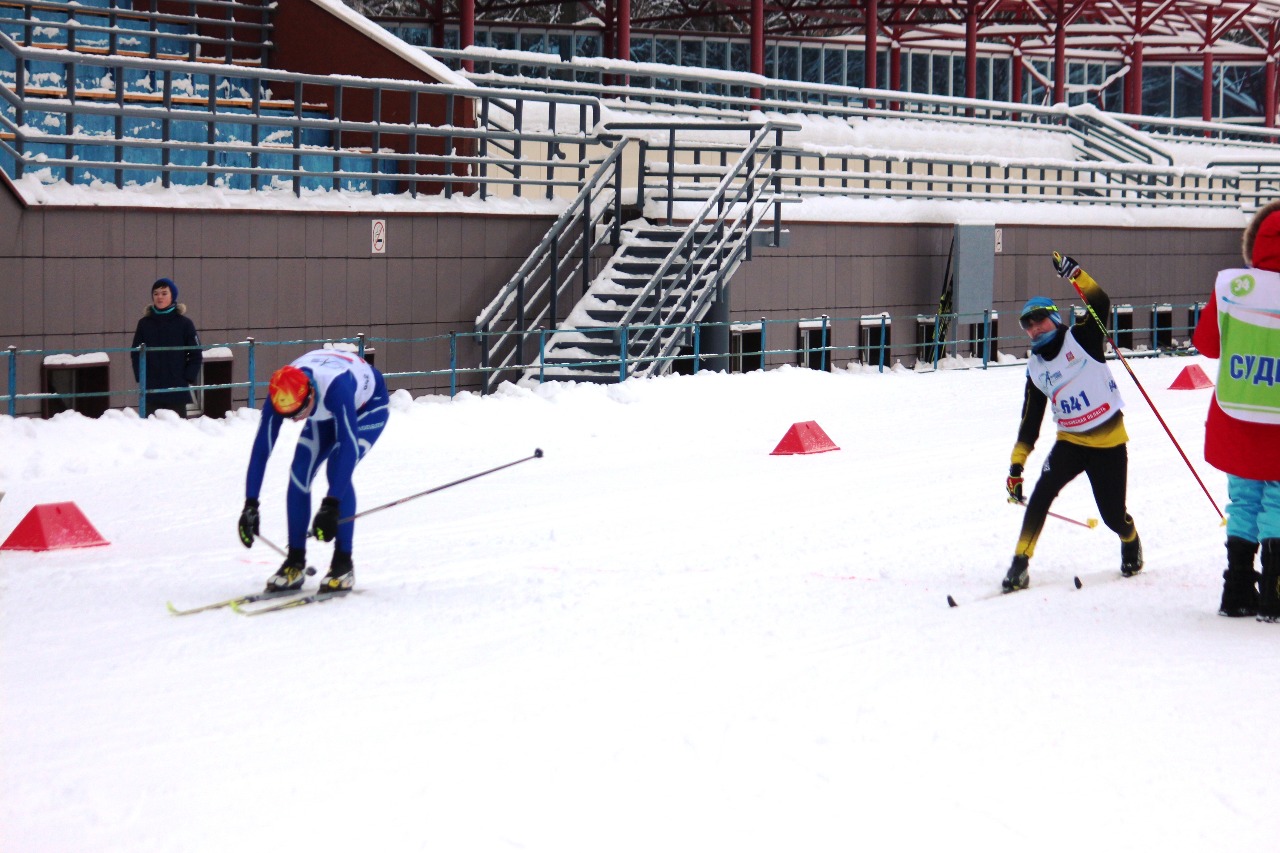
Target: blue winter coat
(172, 368)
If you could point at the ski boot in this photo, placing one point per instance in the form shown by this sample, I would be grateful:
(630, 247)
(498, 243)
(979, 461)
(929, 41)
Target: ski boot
(1269, 586)
(342, 574)
(1018, 577)
(291, 574)
(1131, 556)
(1239, 581)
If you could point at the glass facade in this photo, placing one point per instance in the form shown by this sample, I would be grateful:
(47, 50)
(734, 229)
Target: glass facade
(1177, 90)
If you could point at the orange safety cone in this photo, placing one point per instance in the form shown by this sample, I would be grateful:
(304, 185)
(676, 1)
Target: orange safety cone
(805, 437)
(1191, 378)
(49, 527)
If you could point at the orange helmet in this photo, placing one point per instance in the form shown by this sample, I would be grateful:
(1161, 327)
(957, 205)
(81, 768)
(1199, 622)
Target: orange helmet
(289, 390)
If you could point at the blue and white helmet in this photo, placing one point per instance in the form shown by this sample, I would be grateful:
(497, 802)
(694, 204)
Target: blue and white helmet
(1036, 309)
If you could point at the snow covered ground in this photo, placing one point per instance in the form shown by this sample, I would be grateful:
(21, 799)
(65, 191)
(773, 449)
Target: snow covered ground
(656, 637)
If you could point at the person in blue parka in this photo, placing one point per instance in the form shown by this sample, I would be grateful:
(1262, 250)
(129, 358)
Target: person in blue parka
(173, 350)
(344, 401)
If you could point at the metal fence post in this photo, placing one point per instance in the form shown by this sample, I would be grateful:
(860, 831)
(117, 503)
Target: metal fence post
(360, 344)
(453, 364)
(142, 380)
(882, 346)
(764, 348)
(986, 337)
(697, 348)
(937, 344)
(622, 360)
(253, 396)
(822, 355)
(13, 380)
(542, 355)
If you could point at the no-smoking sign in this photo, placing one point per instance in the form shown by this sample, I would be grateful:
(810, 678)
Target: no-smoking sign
(379, 236)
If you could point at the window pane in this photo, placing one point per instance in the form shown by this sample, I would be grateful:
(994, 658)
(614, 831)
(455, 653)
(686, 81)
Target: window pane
(1188, 94)
(920, 79)
(941, 84)
(1001, 82)
(811, 64)
(833, 66)
(853, 74)
(788, 62)
(1075, 78)
(1242, 91)
(1157, 90)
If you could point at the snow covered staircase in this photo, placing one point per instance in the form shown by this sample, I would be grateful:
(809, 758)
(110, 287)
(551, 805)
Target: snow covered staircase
(602, 298)
(649, 276)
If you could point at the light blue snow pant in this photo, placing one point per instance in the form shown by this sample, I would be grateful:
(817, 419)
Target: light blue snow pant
(1253, 511)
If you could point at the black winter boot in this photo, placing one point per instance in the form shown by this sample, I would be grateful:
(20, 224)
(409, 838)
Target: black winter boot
(1131, 556)
(1269, 586)
(291, 574)
(1240, 580)
(342, 574)
(1018, 577)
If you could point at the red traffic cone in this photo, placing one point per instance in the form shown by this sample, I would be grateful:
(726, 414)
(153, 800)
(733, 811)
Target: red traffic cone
(49, 527)
(1191, 378)
(805, 437)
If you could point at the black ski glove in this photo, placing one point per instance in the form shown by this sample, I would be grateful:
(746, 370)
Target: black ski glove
(325, 525)
(1013, 485)
(249, 521)
(1065, 266)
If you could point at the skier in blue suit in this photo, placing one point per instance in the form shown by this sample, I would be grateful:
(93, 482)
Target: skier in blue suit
(344, 401)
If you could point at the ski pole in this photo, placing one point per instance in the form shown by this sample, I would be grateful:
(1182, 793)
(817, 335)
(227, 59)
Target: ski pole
(272, 545)
(1070, 270)
(1088, 522)
(537, 454)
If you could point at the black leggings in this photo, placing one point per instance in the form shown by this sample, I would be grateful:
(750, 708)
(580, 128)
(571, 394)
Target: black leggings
(1108, 472)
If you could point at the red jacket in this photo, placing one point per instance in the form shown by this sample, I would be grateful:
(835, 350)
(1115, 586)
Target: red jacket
(1242, 448)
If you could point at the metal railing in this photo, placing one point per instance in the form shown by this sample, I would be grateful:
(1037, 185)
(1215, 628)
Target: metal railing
(867, 342)
(533, 298)
(718, 235)
(243, 28)
(701, 92)
(860, 173)
(125, 130)
(129, 121)
(715, 241)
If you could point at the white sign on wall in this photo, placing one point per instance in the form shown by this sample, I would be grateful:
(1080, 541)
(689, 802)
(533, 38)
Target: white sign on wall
(379, 236)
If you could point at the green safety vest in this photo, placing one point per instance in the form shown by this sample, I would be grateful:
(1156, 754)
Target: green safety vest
(1248, 302)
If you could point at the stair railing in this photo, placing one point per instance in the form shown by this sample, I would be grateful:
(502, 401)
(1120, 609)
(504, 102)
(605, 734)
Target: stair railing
(717, 239)
(531, 299)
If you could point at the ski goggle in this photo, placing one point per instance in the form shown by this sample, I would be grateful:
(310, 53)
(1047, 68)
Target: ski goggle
(1036, 316)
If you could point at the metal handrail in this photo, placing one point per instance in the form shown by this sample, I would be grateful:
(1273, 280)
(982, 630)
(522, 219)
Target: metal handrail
(1095, 134)
(714, 241)
(526, 301)
(120, 109)
(257, 34)
(1154, 340)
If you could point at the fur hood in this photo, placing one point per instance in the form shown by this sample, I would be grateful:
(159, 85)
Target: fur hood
(1251, 232)
(150, 310)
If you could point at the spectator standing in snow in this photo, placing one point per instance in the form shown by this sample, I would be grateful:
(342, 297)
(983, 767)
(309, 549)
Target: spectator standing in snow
(343, 400)
(1068, 366)
(1241, 328)
(164, 326)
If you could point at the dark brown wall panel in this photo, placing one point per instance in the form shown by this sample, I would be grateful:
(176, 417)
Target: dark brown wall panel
(80, 278)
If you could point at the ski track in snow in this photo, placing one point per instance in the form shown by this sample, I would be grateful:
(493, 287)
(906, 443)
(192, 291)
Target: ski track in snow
(658, 636)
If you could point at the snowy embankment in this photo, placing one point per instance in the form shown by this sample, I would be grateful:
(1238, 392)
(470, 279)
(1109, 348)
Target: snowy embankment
(659, 636)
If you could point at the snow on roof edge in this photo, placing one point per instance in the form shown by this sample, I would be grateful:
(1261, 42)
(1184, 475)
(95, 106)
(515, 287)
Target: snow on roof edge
(401, 48)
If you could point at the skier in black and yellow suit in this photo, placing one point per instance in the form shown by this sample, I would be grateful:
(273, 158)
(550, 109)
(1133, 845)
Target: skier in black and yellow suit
(1068, 372)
